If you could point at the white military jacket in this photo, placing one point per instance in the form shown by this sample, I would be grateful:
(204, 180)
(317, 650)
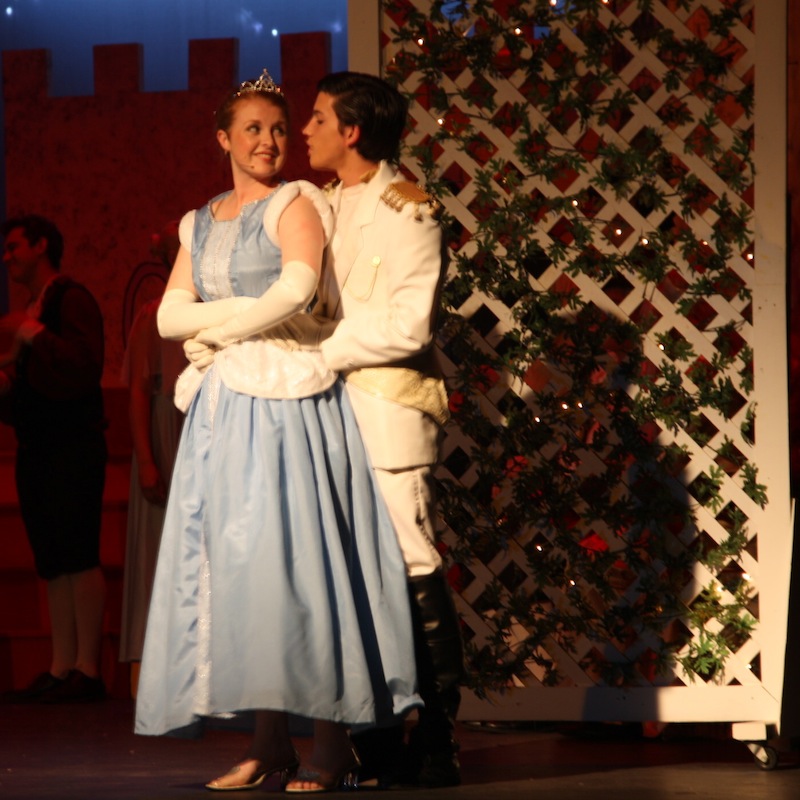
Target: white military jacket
(382, 285)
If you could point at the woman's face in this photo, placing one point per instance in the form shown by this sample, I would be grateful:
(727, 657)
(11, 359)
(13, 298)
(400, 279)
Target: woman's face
(257, 139)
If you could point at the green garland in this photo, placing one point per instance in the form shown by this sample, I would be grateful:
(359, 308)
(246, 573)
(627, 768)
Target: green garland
(572, 464)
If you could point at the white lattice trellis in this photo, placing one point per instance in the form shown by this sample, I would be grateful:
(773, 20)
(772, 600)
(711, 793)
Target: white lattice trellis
(752, 686)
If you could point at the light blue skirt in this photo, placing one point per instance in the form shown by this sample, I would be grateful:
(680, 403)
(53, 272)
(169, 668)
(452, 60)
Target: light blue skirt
(280, 584)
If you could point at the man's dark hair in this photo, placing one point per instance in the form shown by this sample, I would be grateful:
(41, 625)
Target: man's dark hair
(36, 228)
(379, 110)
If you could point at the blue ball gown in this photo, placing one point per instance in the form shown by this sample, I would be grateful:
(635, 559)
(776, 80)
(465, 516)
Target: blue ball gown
(280, 584)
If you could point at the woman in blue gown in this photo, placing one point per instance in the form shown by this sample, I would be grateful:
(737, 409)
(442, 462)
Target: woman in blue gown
(280, 586)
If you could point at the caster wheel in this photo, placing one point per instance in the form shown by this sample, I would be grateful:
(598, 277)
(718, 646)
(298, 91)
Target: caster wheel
(766, 757)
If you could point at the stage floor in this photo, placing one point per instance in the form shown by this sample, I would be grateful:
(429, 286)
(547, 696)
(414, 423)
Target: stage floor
(89, 751)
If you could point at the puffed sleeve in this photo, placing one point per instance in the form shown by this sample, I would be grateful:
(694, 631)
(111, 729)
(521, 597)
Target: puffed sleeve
(186, 230)
(284, 196)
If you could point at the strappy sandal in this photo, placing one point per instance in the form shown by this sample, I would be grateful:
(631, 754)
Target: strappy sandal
(346, 778)
(259, 775)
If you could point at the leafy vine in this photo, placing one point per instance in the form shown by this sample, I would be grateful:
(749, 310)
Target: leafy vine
(578, 418)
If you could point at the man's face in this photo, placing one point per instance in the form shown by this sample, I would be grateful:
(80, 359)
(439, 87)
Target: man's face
(20, 257)
(326, 138)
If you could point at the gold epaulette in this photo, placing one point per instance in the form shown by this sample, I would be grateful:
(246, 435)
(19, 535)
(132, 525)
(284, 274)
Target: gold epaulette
(397, 195)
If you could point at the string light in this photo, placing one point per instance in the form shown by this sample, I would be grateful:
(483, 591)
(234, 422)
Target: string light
(440, 121)
(564, 406)
(420, 41)
(537, 419)
(618, 231)
(661, 347)
(645, 240)
(575, 203)
(518, 31)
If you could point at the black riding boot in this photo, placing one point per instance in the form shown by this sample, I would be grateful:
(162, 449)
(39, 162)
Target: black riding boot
(381, 752)
(432, 750)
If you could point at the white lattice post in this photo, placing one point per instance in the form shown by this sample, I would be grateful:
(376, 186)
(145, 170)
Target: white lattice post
(363, 36)
(770, 337)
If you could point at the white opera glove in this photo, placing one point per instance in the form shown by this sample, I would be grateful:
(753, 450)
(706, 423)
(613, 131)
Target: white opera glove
(310, 331)
(181, 314)
(199, 354)
(291, 293)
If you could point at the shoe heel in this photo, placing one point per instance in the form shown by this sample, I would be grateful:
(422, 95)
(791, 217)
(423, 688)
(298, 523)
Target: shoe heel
(350, 780)
(287, 775)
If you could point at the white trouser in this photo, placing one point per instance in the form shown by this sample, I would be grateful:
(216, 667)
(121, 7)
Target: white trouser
(409, 496)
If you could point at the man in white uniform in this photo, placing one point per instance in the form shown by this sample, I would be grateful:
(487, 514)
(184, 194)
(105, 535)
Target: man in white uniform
(374, 322)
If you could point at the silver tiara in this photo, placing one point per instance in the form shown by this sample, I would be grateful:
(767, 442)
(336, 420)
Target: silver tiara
(263, 83)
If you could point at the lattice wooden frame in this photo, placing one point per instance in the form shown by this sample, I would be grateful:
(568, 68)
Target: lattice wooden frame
(744, 696)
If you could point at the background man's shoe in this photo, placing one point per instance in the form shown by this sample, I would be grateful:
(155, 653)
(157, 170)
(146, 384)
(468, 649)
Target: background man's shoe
(76, 688)
(35, 691)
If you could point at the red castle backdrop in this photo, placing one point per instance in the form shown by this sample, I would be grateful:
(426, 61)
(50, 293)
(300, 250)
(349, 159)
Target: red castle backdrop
(110, 169)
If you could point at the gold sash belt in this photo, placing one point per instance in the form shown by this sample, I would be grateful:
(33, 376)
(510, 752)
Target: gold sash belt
(406, 387)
